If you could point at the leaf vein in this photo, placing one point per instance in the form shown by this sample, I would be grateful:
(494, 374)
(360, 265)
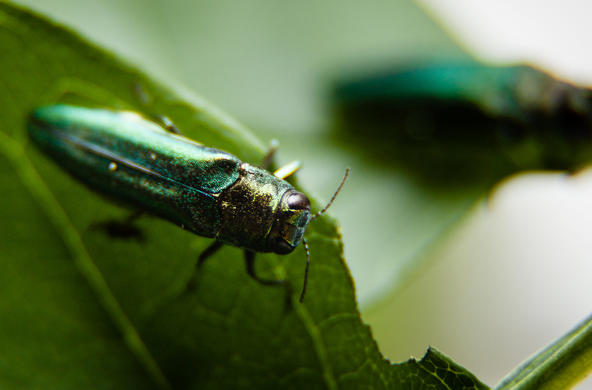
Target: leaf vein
(35, 184)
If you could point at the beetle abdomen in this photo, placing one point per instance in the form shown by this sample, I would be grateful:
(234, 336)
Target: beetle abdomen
(134, 160)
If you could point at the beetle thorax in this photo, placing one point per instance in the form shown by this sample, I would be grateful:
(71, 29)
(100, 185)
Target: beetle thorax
(248, 208)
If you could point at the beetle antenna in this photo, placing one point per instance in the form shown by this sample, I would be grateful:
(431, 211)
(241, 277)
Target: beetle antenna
(334, 196)
(305, 243)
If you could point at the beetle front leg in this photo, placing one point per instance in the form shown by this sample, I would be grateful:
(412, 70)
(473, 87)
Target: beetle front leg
(207, 253)
(269, 158)
(216, 245)
(269, 162)
(250, 264)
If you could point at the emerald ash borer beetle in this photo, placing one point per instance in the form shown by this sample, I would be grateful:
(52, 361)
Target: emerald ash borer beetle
(154, 169)
(467, 120)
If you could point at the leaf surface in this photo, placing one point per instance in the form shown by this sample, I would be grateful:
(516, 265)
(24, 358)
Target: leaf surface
(80, 310)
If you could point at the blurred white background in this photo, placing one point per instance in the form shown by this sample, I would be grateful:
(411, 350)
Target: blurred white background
(552, 34)
(517, 274)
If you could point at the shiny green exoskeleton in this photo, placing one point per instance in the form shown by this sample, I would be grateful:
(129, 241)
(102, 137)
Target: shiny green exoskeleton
(468, 117)
(204, 190)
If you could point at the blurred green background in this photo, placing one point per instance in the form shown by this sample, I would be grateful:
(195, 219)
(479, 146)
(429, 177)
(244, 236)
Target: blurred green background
(509, 279)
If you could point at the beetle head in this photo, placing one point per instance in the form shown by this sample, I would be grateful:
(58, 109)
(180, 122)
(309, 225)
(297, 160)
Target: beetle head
(292, 218)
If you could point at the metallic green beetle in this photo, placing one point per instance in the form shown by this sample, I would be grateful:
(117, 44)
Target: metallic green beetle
(204, 190)
(468, 118)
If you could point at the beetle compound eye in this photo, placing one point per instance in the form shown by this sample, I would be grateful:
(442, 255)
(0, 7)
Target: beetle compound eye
(281, 247)
(298, 201)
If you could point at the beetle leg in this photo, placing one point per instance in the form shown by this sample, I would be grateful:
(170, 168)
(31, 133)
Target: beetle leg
(250, 263)
(168, 124)
(269, 162)
(268, 159)
(122, 229)
(147, 100)
(287, 170)
(141, 94)
(208, 252)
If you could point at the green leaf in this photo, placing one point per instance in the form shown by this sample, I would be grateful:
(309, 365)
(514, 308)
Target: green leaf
(561, 365)
(79, 310)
